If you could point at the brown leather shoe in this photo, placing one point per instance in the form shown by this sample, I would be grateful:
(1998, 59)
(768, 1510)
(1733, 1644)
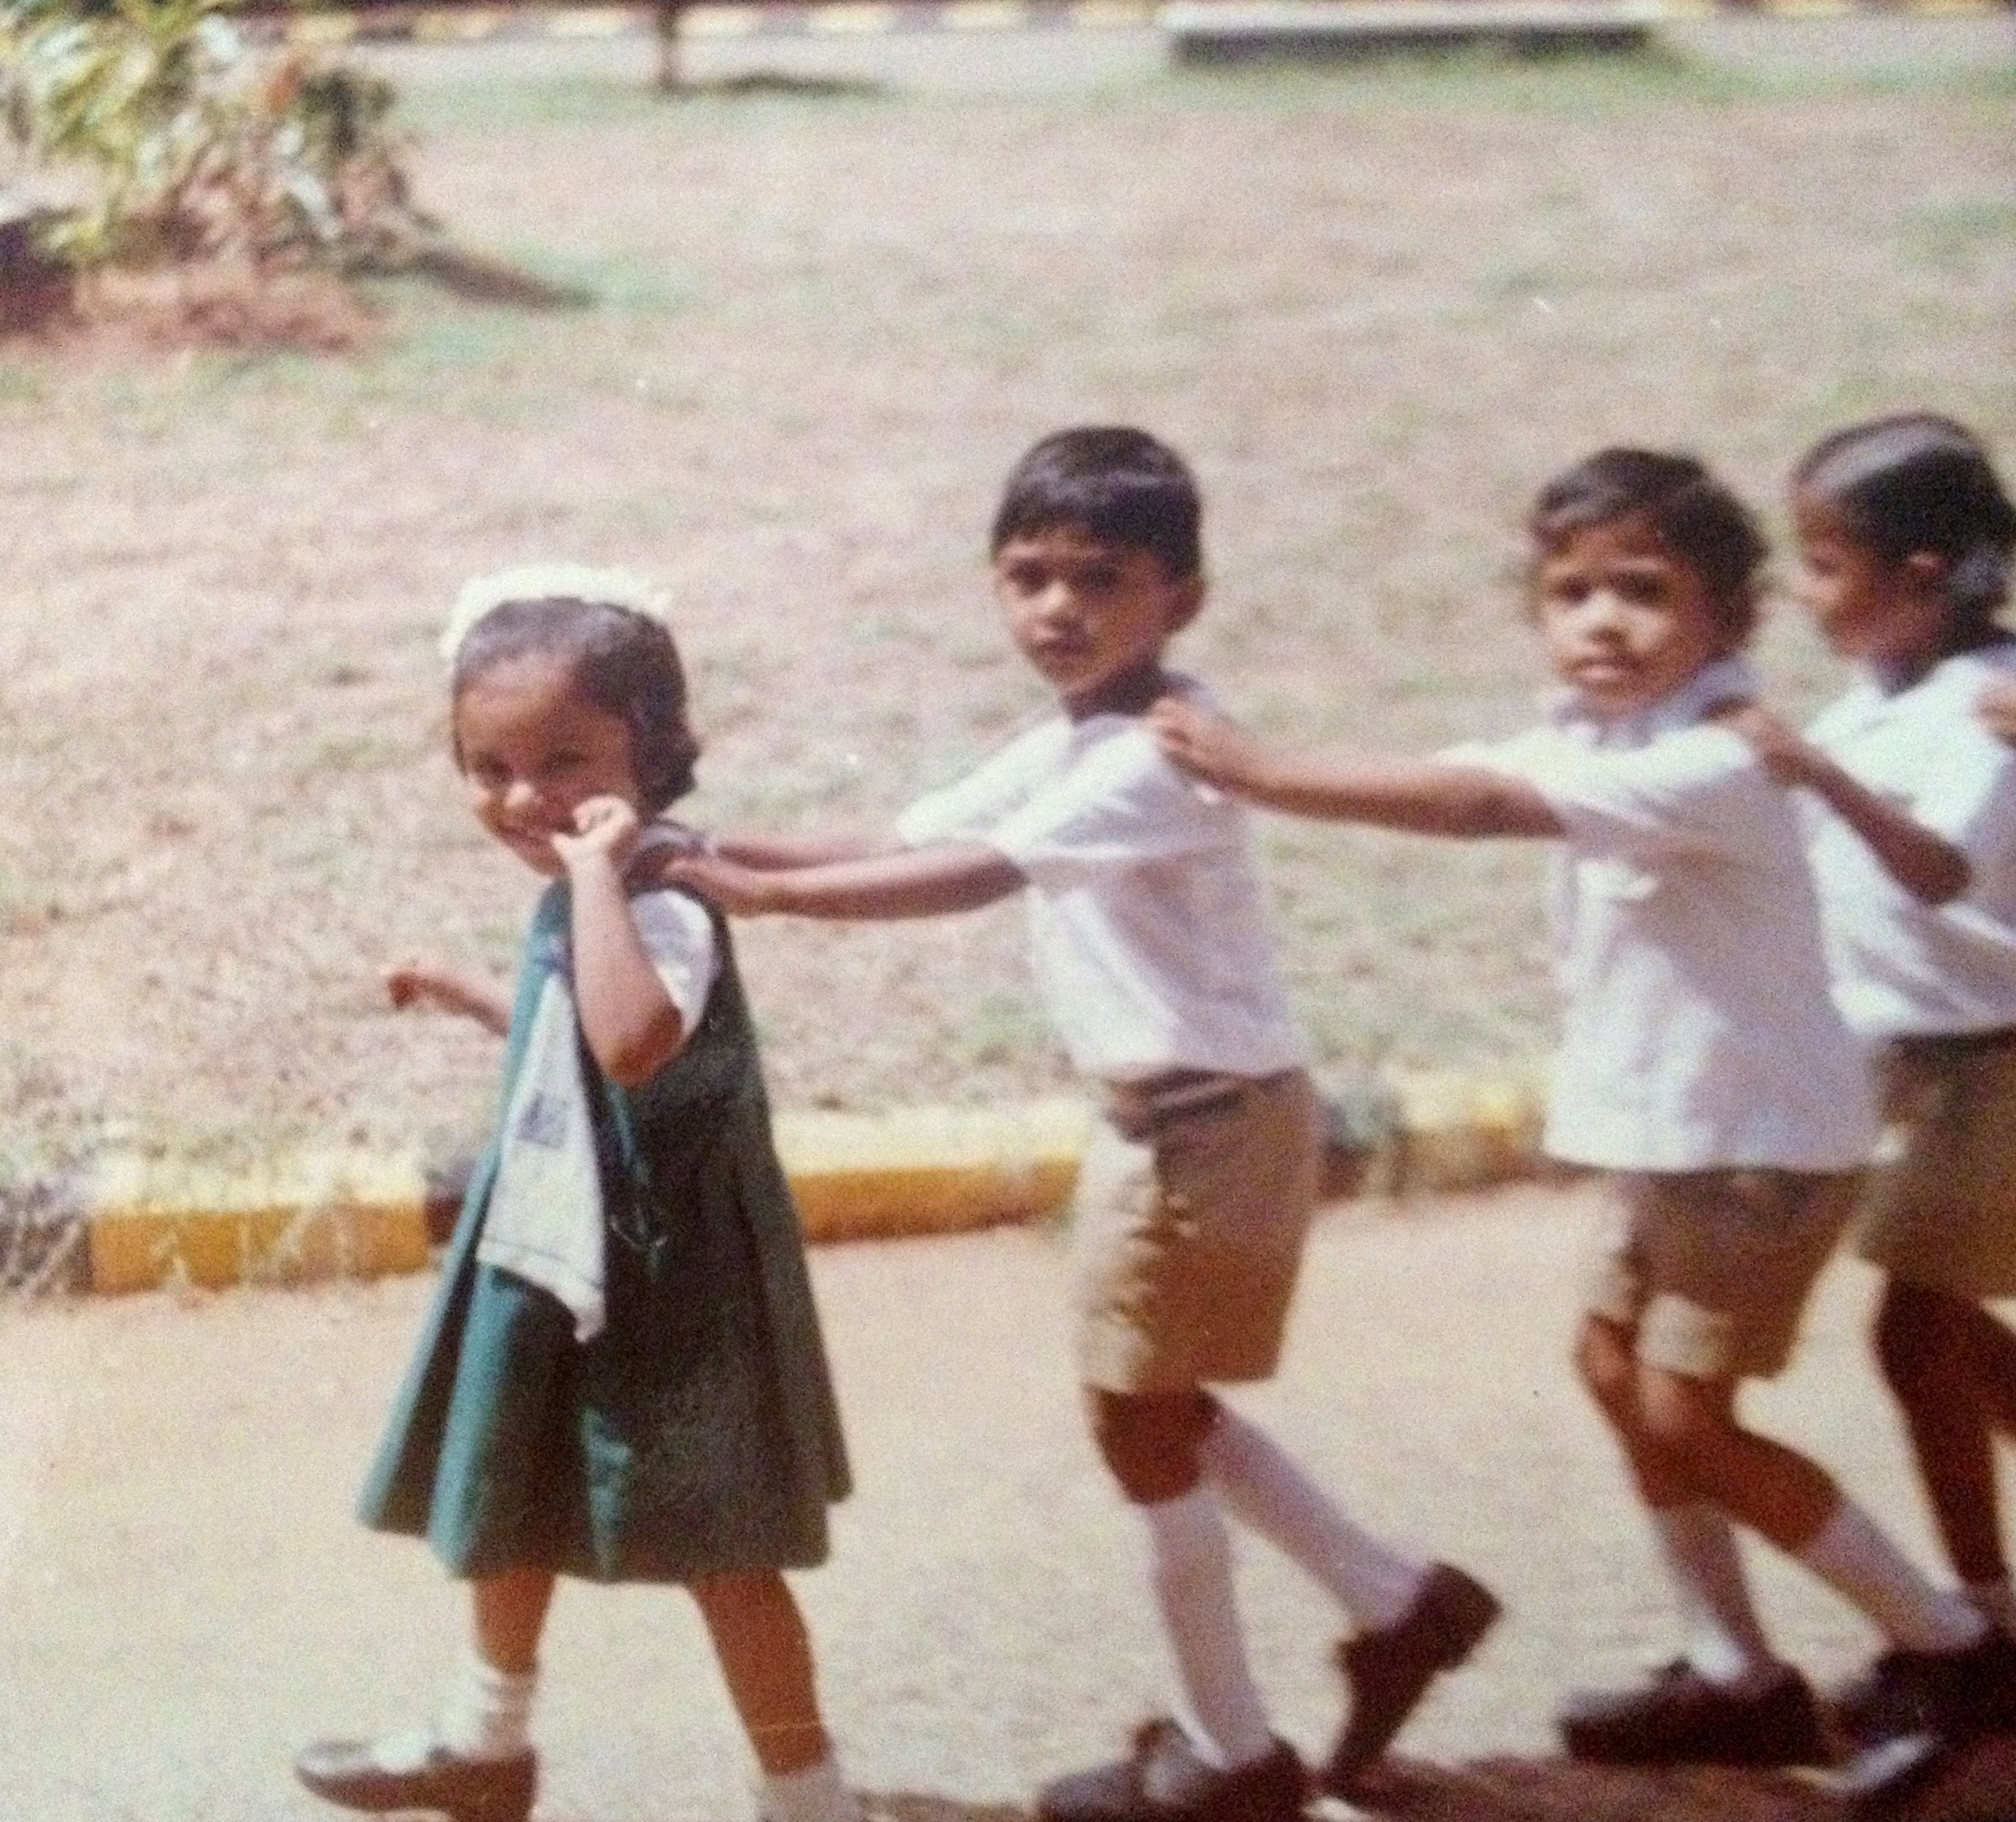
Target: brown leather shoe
(415, 1773)
(1163, 1780)
(1766, 1717)
(1388, 1671)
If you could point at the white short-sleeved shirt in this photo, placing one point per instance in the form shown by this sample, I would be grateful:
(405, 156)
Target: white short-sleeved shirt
(1149, 933)
(1698, 1030)
(678, 936)
(1902, 966)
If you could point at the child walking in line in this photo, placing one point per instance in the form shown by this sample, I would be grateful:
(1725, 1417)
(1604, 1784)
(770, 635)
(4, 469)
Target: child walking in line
(1905, 534)
(1148, 934)
(1701, 1066)
(622, 1377)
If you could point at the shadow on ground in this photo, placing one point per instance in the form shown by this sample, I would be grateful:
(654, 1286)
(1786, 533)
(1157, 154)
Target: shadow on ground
(777, 82)
(1979, 1786)
(910, 1805)
(482, 278)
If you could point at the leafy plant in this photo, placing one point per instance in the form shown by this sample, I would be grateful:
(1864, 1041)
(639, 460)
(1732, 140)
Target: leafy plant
(199, 143)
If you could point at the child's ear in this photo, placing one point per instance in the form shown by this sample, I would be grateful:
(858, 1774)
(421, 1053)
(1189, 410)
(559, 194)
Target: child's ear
(1928, 568)
(1187, 603)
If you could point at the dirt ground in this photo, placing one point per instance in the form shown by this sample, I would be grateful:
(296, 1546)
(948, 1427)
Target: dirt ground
(188, 1599)
(808, 334)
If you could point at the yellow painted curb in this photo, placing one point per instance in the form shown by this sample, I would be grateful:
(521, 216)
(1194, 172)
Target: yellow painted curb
(918, 1170)
(930, 1169)
(313, 1214)
(1459, 1131)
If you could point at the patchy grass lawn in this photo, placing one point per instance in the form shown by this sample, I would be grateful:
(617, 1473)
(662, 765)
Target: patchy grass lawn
(1376, 309)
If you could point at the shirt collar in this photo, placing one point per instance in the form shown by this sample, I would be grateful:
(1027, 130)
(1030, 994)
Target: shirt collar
(1714, 685)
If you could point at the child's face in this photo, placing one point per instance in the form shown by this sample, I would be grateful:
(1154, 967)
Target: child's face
(533, 750)
(1092, 617)
(1625, 621)
(1869, 607)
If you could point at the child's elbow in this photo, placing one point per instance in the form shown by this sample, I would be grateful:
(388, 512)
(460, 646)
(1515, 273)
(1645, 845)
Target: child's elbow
(631, 1058)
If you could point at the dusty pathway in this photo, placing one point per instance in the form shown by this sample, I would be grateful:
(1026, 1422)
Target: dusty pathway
(187, 1599)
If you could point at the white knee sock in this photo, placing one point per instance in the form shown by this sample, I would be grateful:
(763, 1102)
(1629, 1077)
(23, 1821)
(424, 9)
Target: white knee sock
(487, 1711)
(1267, 1491)
(1191, 1567)
(1862, 1565)
(815, 1794)
(1705, 1567)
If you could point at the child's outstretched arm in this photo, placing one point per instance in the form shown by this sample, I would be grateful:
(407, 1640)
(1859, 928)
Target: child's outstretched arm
(415, 983)
(770, 853)
(1927, 865)
(1427, 797)
(632, 1026)
(926, 882)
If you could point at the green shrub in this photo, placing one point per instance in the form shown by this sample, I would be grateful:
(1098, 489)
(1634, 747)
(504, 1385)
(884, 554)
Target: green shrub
(195, 143)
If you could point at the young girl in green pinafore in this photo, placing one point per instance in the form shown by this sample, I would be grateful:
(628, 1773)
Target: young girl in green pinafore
(621, 1377)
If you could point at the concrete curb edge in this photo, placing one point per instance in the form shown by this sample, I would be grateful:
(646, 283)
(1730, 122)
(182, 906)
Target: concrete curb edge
(417, 22)
(129, 1223)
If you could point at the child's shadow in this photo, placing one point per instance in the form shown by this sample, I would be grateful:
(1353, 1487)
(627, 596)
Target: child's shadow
(1508, 1790)
(1978, 1786)
(913, 1805)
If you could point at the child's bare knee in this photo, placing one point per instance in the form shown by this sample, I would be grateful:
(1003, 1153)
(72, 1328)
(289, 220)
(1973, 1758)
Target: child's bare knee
(1686, 1421)
(1150, 1441)
(1607, 1366)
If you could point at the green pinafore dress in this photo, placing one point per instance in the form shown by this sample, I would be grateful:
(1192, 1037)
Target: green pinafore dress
(697, 1432)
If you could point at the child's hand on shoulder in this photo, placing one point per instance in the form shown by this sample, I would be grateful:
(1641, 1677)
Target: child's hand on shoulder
(1777, 744)
(605, 831)
(1208, 745)
(1996, 707)
(739, 890)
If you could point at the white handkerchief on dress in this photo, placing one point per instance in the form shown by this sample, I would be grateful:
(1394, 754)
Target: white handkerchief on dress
(544, 1221)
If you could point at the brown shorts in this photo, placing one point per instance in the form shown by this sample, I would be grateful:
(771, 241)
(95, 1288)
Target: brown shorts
(1193, 1203)
(1942, 1209)
(1711, 1268)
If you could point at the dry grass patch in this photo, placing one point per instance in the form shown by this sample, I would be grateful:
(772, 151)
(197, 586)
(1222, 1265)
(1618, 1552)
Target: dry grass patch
(1376, 311)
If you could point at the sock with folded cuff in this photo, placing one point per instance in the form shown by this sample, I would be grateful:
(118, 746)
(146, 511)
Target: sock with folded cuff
(1854, 1559)
(487, 1711)
(1266, 1489)
(1191, 1567)
(814, 1794)
(1705, 1567)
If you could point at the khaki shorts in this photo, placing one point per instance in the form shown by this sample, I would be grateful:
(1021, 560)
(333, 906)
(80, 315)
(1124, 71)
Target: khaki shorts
(1710, 1269)
(1942, 1209)
(1193, 1203)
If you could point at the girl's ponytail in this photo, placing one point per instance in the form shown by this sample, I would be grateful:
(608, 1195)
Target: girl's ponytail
(1978, 583)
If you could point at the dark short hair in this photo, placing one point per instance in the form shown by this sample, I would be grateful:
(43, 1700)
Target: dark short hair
(623, 662)
(1698, 519)
(1918, 481)
(1122, 485)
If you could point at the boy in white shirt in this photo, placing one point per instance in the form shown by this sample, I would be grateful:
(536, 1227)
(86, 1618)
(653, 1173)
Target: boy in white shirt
(1702, 1066)
(1148, 931)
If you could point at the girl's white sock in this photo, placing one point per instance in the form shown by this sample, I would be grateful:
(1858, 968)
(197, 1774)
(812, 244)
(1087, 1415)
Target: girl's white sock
(1862, 1565)
(815, 1794)
(1995, 1602)
(1191, 1567)
(1705, 1566)
(1268, 1491)
(487, 1711)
